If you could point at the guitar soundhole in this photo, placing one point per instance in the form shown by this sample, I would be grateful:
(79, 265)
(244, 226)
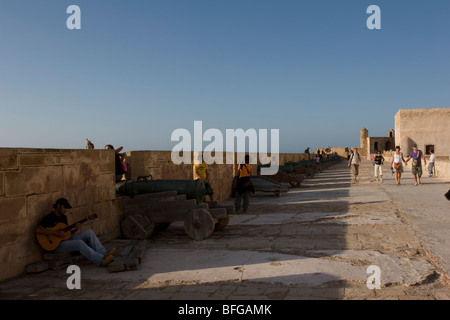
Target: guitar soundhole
(49, 240)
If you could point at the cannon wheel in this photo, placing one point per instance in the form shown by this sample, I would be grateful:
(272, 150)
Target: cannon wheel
(222, 223)
(137, 226)
(199, 224)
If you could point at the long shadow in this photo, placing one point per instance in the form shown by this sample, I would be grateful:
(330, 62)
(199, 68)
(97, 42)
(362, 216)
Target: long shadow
(274, 229)
(266, 288)
(282, 243)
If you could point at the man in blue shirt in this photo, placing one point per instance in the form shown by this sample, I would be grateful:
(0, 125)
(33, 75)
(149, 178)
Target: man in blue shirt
(417, 156)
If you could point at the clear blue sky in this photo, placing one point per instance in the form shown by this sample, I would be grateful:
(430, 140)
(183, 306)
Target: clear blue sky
(137, 70)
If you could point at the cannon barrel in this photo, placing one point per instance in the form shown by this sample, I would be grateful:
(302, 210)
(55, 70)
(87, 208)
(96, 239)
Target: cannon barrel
(193, 189)
(285, 169)
(302, 163)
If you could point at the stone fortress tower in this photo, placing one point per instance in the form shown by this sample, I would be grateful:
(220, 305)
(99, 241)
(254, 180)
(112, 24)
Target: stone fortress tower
(370, 145)
(364, 135)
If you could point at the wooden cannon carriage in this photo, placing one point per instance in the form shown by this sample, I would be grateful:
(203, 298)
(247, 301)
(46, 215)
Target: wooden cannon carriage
(146, 213)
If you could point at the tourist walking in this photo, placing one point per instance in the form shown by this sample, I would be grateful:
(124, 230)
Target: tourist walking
(397, 164)
(379, 160)
(354, 162)
(431, 163)
(416, 169)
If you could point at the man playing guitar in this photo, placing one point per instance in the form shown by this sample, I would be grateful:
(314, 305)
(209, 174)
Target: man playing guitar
(85, 242)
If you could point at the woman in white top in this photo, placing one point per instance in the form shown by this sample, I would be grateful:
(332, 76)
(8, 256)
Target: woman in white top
(396, 164)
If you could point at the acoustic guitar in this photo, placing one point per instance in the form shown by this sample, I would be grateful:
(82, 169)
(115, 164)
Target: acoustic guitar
(50, 242)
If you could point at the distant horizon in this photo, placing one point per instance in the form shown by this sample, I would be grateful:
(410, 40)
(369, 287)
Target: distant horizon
(312, 149)
(137, 71)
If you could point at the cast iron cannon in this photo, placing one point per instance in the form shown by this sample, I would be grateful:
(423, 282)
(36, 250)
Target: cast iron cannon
(193, 189)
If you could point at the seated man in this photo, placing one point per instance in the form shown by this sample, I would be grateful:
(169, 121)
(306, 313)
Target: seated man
(85, 242)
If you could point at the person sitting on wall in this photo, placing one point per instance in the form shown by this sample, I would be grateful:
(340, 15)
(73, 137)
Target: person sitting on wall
(201, 171)
(120, 165)
(84, 242)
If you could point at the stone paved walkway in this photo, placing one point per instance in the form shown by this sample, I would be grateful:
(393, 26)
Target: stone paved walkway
(315, 242)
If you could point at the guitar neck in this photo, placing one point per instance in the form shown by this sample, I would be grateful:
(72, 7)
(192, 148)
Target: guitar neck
(74, 224)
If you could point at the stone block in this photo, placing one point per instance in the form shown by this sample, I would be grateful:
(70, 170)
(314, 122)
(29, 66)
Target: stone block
(88, 155)
(10, 232)
(36, 160)
(9, 159)
(15, 256)
(82, 196)
(106, 166)
(79, 213)
(37, 267)
(12, 208)
(9, 267)
(39, 205)
(77, 175)
(2, 187)
(62, 158)
(33, 181)
(106, 193)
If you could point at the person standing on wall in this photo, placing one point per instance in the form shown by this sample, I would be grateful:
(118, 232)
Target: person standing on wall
(244, 186)
(379, 160)
(417, 157)
(397, 164)
(354, 162)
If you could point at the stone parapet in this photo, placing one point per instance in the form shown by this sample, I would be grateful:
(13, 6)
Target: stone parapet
(31, 180)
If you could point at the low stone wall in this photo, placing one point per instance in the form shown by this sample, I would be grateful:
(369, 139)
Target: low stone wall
(442, 167)
(159, 165)
(294, 157)
(31, 180)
